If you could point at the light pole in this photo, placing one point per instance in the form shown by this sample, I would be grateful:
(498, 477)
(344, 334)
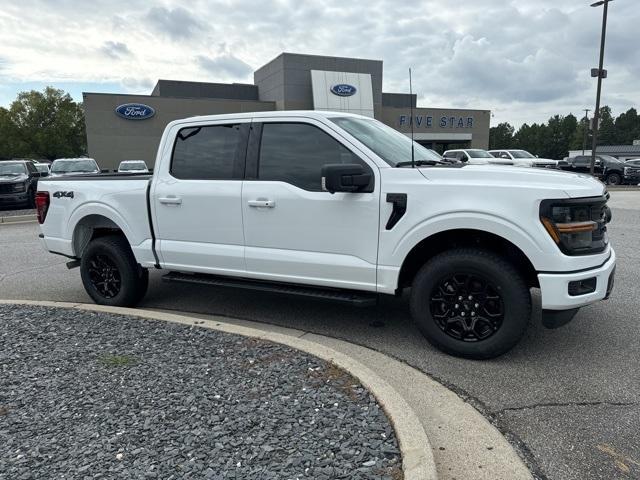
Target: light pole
(586, 130)
(600, 73)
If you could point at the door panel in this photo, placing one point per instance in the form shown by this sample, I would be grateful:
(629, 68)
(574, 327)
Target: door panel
(198, 214)
(298, 233)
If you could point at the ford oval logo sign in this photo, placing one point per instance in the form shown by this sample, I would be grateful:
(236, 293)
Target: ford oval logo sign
(343, 90)
(135, 111)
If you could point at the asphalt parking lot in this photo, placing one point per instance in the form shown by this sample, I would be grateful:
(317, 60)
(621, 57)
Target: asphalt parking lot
(568, 399)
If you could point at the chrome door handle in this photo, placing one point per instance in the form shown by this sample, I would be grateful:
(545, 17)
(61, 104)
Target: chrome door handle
(262, 203)
(170, 200)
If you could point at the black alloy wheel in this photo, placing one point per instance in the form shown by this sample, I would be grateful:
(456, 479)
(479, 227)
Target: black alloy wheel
(104, 276)
(110, 273)
(471, 303)
(467, 307)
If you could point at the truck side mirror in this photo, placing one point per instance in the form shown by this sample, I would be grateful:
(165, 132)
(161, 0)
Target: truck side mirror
(349, 177)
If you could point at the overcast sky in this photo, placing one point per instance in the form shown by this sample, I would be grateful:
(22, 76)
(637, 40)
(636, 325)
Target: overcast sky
(523, 59)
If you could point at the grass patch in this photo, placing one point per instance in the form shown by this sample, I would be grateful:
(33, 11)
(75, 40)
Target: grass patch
(334, 375)
(115, 361)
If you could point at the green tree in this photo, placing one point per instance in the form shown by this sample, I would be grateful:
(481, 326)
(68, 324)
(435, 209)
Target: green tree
(627, 127)
(577, 140)
(607, 129)
(46, 124)
(501, 136)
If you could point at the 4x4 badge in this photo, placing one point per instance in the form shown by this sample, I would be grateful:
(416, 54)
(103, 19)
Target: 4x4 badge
(63, 194)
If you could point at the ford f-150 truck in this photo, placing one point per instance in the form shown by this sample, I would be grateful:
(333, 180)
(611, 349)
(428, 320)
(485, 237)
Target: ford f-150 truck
(339, 206)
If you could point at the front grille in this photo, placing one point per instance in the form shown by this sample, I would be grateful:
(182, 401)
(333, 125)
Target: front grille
(7, 187)
(545, 165)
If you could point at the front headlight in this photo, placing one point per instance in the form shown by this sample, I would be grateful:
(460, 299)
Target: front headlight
(19, 187)
(578, 226)
(626, 170)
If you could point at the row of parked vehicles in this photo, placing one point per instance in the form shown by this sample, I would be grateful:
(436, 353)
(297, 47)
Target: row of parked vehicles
(19, 178)
(608, 169)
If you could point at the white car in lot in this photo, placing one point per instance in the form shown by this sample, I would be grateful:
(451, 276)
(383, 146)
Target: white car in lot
(475, 156)
(73, 166)
(522, 158)
(133, 166)
(336, 206)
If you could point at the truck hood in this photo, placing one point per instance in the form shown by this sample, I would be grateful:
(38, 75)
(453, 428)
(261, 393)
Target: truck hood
(564, 183)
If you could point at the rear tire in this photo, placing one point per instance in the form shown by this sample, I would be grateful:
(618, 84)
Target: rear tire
(110, 273)
(470, 303)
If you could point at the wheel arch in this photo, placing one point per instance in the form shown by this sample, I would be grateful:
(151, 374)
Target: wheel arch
(93, 226)
(445, 240)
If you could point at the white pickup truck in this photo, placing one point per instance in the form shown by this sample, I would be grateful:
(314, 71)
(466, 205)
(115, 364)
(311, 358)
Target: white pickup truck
(333, 206)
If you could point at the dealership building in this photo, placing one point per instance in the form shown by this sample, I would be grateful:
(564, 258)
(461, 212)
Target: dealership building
(125, 127)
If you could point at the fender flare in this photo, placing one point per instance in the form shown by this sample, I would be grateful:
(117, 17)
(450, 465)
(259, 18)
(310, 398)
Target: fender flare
(103, 210)
(495, 225)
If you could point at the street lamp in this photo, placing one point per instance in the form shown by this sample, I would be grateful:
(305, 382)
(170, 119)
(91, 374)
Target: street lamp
(600, 73)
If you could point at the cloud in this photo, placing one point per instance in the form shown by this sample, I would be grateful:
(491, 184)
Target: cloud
(134, 84)
(178, 23)
(225, 65)
(523, 59)
(115, 50)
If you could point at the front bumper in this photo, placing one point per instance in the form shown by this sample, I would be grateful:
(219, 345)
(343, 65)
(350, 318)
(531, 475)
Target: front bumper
(554, 287)
(14, 198)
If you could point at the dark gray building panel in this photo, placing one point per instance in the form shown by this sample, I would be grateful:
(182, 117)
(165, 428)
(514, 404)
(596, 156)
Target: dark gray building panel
(399, 100)
(183, 89)
(287, 78)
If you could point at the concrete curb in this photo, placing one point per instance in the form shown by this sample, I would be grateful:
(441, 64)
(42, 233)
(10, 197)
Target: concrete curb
(417, 457)
(18, 219)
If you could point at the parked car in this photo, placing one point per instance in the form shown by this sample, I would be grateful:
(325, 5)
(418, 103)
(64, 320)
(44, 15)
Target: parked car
(327, 205)
(522, 158)
(607, 168)
(73, 166)
(634, 162)
(43, 168)
(18, 183)
(475, 156)
(133, 166)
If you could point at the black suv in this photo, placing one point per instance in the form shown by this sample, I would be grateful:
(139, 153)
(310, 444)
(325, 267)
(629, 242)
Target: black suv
(607, 168)
(18, 183)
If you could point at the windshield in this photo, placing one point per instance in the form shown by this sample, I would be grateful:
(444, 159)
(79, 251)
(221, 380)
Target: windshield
(389, 144)
(521, 154)
(66, 166)
(133, 166)
(16, 168)
(479, 154)
(609, 158)
(42, 168)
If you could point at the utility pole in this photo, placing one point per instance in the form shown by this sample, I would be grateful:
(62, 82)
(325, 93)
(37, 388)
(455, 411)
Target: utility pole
(586, 129)
(600, 73)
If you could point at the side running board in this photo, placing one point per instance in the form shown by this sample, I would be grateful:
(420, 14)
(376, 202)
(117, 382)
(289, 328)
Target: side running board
(352, 297)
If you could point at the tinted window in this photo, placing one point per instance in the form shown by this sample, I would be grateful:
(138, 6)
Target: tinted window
(205, 153)
(581, 161)
(31, 167)
(295, 153)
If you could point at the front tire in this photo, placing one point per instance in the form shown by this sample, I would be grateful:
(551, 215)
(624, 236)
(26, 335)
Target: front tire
(470, 303)
(110, 273)
(614, 179)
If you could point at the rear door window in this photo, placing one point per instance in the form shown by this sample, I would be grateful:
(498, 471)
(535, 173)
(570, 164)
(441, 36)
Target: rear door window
(208, 153)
